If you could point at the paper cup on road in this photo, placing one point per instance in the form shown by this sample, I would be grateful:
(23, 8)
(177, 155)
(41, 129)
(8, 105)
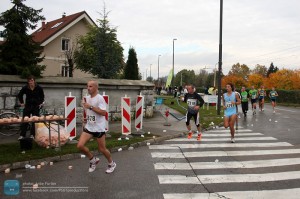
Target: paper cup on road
(7, 170)
(70, 167)
(142, 136)
(127, 138)
(148, 132)
(148, 144)
(51, 163)
(120, 149)
(38, 166)
(153, 136)
(164, 131)
(35, 186)
(119, 139)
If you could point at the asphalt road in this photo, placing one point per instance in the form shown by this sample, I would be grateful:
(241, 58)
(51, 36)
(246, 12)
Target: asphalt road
(174, 169)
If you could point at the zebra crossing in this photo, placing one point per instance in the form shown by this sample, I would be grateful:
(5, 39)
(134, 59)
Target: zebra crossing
(256, 166)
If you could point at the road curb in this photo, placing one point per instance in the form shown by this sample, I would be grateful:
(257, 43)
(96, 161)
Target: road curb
(20, 165)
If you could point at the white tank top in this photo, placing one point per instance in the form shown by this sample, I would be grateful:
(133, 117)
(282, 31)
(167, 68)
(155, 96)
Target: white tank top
(95, 122)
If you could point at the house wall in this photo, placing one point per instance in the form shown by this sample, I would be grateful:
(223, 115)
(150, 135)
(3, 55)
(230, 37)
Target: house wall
(54, 56)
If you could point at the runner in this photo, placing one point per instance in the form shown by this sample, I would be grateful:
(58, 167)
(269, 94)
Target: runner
(273, 96)
(244, 96)
(262, 94)
(95, 127)
(195, 102)
(230, 100)
(237, 108)
(253, 96)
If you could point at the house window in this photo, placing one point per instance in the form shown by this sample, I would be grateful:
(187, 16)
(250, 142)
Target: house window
(65, 44)
(65, 71)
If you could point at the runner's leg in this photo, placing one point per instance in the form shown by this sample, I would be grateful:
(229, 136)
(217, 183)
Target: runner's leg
(102, 148)
(84, 138)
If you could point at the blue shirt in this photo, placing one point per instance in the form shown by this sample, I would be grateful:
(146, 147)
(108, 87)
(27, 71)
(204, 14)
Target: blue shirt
(230, 108)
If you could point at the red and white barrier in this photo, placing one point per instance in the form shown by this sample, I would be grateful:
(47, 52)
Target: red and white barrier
(106, 99)
(126, 117)
(70, 114)
(139, 108)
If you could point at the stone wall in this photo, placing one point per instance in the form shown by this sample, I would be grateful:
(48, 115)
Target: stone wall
(56, 88)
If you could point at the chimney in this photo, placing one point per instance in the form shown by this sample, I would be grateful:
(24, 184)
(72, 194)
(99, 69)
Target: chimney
(63, 15)
(43, 24)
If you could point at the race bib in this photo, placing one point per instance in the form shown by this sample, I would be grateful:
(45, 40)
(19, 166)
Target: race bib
(191, 102)
(253, 96)
(273, 94)
(229, 104)
(91, 118)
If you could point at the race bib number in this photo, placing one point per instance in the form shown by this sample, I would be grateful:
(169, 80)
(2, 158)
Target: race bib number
(192, 103)
(229, 104)
(91, 118)
(273, 94)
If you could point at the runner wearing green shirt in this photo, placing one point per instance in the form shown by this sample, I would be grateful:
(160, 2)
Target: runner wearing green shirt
(253, 95)
(273, 96)
(244, 97)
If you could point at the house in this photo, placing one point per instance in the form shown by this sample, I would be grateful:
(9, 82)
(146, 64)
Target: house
(58, 37)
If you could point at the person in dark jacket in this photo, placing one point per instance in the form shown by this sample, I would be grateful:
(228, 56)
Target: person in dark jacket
(34, 100)
(194, 102)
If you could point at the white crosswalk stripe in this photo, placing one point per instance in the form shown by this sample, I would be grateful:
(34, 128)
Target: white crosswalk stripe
(252, 150)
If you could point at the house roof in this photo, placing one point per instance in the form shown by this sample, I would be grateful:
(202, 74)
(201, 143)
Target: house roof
(52, 29)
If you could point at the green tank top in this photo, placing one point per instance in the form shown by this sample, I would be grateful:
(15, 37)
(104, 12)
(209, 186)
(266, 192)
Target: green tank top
(253, 93)
(244, 96)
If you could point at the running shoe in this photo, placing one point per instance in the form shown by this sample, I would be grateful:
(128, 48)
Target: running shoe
(93, 163)
(274, 112)
(190, 135)
(232, 140)
(199, 136)
(111, 167)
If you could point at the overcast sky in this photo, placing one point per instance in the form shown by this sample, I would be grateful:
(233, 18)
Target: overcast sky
(254, 31)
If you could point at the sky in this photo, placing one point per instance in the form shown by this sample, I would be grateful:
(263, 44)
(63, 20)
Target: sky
(254, 31)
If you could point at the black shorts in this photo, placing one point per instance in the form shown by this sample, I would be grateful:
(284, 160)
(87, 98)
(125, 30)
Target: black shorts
(94, 134)
(189, 117)
(273, 100)
(261, 98)
(253, 101)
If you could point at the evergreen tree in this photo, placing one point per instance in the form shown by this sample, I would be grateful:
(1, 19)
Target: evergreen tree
(131, 70)
(19, 54)
(272, 69)
(100, 53)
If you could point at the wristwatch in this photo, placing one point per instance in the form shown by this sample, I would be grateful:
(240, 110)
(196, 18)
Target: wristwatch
(91, 108)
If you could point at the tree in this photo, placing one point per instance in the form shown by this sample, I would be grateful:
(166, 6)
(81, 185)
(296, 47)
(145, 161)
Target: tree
(260, 69)
(237, 81)
(99, 51)
(69, 56)
(188, 77)
(272, 69)
(255, 80)
(200, 79)
(240, 70)
(281, 79)
(131, 70)
(19, 54)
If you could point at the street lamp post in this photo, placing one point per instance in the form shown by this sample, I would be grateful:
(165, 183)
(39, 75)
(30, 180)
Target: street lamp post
(158, 71)
(173, 66)
(146, 73)
(220, 59)
(150, 72)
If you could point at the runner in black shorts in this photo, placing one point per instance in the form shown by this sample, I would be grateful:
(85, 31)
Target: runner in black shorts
(253, 95)
(195, 102)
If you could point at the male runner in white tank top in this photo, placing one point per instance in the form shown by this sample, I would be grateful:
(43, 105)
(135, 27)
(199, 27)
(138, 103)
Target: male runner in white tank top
(95, 127)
